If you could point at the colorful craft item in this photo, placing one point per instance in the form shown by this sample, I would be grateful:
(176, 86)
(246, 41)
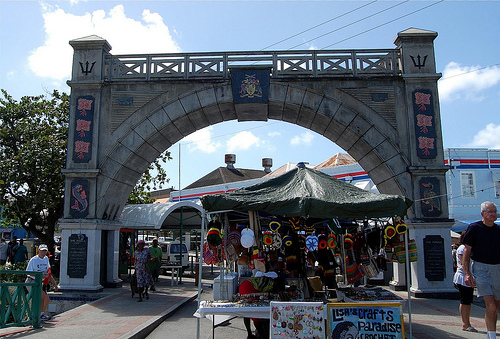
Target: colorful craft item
(302, 241)
(401, 227)
(309, 226)
(208, 256)
(348, 242)
(214, 238)
(275, 225)
(234, 237)
(287, 240)
(268, 238)
(295, 221)
(390, 231)
(247, 238)
(312, 242)
(322, 244)
(332, 241)
(277, 242)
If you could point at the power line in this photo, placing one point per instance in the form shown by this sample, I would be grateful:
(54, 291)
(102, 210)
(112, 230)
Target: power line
(352, 23)
(386, 23)
(471, 71)
(321, 24)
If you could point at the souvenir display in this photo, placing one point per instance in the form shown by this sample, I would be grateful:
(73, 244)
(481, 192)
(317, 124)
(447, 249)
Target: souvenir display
(297, 252)
(297, 320)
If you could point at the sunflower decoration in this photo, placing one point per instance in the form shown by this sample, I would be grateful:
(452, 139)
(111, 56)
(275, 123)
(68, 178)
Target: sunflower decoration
(268, 238)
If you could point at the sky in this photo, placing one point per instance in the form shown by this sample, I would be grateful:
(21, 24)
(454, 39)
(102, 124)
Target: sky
(35, 58)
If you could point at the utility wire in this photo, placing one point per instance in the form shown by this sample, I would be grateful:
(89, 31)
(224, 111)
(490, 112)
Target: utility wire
(321, 24)
(471, 71)
(378, 26)
(352, 23)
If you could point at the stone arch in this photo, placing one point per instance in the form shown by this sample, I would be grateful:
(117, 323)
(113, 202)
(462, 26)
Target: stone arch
(380, 106)
(340, 118)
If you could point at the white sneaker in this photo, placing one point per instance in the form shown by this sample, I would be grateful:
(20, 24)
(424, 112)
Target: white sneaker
(44, 317)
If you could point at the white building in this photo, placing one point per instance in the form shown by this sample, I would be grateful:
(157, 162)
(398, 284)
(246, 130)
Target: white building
(474, 177)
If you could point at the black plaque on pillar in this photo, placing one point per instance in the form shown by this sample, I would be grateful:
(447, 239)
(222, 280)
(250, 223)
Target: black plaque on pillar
(434, 258)
(77, 255)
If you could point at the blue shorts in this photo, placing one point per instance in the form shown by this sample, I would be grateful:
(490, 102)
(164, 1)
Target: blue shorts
(487, 279)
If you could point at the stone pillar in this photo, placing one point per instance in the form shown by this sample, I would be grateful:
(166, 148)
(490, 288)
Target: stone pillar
(429, 224)
(81, 228)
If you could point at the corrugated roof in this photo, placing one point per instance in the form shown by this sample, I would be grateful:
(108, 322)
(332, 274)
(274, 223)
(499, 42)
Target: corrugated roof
(224, 175)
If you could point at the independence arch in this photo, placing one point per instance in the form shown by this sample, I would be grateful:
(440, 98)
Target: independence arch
(381, 106)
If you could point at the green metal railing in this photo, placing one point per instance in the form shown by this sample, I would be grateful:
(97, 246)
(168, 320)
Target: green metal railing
(18, 308)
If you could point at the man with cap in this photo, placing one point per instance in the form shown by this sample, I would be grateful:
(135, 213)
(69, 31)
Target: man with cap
(40, 263)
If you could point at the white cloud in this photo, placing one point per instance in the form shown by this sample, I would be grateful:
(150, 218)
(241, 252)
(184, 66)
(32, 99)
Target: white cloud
(305, 138)
(488, 137)
(242, 142)
(126, 36)
(274, 134)
(202, 140)
(466, 82)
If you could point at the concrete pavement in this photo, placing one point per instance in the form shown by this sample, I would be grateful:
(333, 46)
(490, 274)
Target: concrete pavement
(117, 315)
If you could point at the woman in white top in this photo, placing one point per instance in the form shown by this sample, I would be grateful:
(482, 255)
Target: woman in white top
(466, 292)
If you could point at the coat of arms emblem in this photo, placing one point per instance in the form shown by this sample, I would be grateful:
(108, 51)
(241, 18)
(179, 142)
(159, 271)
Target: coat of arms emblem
(250, 87)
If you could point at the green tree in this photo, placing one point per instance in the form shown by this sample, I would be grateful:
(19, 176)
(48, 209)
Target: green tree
(33, 146)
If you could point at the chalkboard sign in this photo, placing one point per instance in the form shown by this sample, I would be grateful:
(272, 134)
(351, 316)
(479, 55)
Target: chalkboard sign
(77, 255)
(434, 258)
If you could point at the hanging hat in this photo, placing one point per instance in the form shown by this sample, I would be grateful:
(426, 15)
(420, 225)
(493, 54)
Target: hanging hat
(287, 240)
(390, 231)
(312, 242)
(309, 226)
(268, 238)
(302, 241)
(348, 242)
(332, 241)
(247, 238)
(275, 225)
(214, 238)
(401, 227)
(234, 237)
(295, 221)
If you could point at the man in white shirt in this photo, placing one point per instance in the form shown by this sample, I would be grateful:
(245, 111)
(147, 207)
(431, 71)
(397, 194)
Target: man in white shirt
(40, 263)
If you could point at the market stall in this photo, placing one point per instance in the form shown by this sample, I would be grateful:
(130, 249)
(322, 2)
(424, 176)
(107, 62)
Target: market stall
(301, 225)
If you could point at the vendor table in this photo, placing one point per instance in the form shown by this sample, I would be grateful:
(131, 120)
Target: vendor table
(219, 312)
(176, 271)
(231, 309)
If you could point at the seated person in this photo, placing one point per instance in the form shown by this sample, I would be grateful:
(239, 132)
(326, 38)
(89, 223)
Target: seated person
(261, 282)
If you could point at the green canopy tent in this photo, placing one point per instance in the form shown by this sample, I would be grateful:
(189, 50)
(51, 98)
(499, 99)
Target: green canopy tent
(311, 193)
(308, 192)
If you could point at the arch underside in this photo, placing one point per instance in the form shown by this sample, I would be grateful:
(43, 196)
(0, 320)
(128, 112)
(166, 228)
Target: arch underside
(338, 116)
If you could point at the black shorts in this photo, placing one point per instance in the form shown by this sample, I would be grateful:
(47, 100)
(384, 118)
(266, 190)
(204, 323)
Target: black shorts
(466, 294)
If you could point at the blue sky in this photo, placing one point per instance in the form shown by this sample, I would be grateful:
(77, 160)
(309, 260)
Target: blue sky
(35, 58)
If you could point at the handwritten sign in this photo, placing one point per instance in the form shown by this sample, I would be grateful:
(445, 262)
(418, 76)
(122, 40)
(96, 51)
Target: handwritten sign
(365, 320)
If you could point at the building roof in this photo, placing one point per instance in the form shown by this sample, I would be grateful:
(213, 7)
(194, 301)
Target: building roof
(338, 159)
(224, 175)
